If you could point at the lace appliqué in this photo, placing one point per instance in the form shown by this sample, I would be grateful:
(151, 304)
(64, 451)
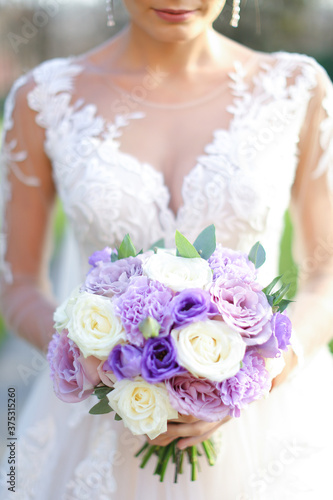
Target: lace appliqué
(93, 477)
(33, 451)
(9, 162)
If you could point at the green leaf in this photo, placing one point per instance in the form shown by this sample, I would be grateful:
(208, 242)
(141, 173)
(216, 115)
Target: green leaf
(101, 407)
(284, 304)
(101, 392)
(278, 296)
(139, 253)
(267, 290)
(158, 244)
(205, 243)
(114, 257)
(185, 248)
(117, 417)
(270, 300)
(149, 327)
(126, 249)
(257, 255)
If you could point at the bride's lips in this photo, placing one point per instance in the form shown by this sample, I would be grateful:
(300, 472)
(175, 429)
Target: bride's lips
(173, 15)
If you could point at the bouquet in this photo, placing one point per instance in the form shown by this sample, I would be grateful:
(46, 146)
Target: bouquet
(153, 335)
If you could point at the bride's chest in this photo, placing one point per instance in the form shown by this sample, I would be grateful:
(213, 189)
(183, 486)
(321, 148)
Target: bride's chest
(146, 178)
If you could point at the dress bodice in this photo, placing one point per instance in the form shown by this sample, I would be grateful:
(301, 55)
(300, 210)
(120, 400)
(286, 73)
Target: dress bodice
(241, 182)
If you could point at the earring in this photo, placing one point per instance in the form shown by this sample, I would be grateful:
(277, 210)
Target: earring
(109, 12)
(235, 13)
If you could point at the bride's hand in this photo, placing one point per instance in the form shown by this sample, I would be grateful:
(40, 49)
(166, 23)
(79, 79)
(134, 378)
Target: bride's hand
(193, 431)
(291, 361)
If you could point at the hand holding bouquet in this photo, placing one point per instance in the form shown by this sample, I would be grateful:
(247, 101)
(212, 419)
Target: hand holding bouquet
(167, 332)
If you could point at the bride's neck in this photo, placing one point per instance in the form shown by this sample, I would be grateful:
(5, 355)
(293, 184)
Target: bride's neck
(136, 49)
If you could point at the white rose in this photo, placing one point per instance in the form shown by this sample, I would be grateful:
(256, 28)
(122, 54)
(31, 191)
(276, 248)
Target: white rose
(145, 408)
(94, 327)
(274, 366)
(178, 273)
(209, 349)
(62, 314)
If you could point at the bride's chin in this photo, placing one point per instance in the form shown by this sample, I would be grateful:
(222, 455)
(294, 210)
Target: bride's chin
(172, 32)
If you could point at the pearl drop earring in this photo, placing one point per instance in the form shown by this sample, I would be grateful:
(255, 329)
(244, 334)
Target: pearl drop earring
(109, 12)
(235, 14)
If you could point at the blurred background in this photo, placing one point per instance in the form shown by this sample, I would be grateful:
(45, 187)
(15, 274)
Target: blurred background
(32, 31)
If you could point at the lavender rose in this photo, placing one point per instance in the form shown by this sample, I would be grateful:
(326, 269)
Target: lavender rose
(252, 382)
(198, 397)
(124, 361)
(191, 305)
(280, 338)
(159, 359)
(243, 308)
(112, 278)
(74, 377)
(143, 298)
(231, 264)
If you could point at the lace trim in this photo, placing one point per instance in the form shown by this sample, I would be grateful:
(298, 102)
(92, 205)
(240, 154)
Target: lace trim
(93, 476)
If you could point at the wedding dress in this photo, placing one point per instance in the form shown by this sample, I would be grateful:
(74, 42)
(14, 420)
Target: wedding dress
(243, 148)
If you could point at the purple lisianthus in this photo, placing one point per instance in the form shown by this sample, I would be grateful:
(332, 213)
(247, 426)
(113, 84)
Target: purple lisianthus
(243, 308)
(100, 256)
(74, 377)
(280, 338)
(231, 264)
(112, 278)
(159, 359)
(124, 361)
(143, 298)
(198, 397)
(191, 305)
(249, 384)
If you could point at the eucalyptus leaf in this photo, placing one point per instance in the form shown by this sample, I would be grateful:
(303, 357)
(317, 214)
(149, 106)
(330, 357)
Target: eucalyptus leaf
(267, 290)
(117, 417)
(257, 255)
(126, 249)
(114, 256)
(158, 244)
(205, 243)
(101, 392)
(101, 407)
(185, 248)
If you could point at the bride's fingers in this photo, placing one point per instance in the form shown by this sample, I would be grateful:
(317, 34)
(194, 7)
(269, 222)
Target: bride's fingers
(192, 441)
(185, 419)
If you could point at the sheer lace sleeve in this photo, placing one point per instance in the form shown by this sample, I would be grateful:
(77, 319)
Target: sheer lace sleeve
(27, 199)
(312, 210)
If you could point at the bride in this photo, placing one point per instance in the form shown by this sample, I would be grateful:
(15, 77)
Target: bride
(168, 126)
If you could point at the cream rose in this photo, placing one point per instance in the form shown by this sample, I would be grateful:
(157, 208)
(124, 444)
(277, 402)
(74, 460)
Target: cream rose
(178, 273)
(145, 408)
(93, 325)
(209, 349)
(62, 314)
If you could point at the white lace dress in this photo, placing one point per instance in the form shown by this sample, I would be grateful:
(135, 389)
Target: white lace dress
(281, 447)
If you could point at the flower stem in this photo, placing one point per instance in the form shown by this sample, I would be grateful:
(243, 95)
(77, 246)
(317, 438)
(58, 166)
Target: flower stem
(142, 449)
(166, 460)
(151, 450)
(208, 453)
(194, 462)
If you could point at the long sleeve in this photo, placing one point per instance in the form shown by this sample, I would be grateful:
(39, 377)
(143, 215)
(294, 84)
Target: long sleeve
(27, 199)
(312, 210)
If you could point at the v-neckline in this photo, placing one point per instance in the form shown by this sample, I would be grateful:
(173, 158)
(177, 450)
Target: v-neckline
(108, 125)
